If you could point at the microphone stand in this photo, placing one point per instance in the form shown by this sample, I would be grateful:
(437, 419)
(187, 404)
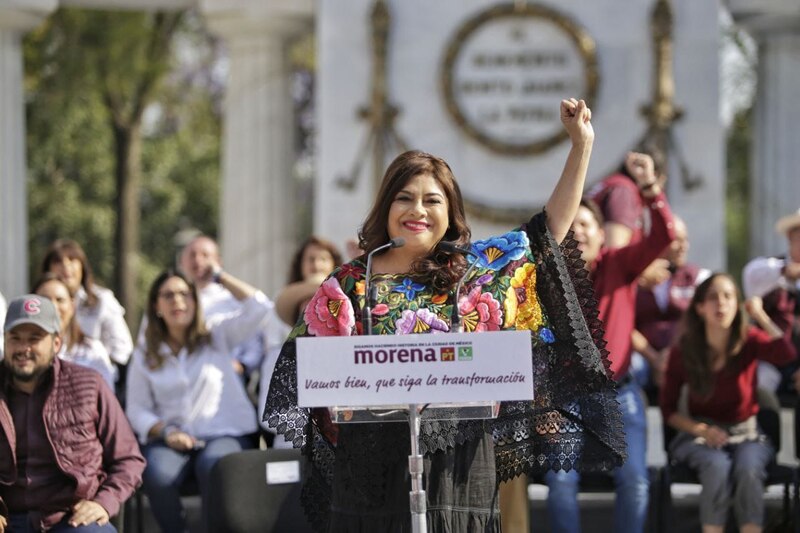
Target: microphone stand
(369, 295)
(455, 315)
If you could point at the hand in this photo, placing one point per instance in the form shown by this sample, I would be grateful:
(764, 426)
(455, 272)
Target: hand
(577, 120)
(3, 523)
(86, 512)
(238, 367)
(791, 271)
(641, 168)
(716, 437)
(754, 306)
(180, 441)
(655, 273)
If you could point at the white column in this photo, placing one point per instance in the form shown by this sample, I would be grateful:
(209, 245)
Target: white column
(257, 226)
(775, 160)
(16, 17)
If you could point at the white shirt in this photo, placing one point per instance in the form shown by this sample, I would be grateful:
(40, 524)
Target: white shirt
(217, 303)
(92, 354)
(198, 392)
(762, 275)
(106, 322)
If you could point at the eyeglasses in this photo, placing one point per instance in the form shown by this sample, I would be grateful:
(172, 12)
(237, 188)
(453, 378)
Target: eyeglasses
(173, 295)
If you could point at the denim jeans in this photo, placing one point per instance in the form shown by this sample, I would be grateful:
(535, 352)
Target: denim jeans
(631, 479)
(19, 523)
(168, 469)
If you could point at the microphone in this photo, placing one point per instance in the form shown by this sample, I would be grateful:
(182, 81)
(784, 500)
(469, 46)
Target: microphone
(369, 295)
(455, 316)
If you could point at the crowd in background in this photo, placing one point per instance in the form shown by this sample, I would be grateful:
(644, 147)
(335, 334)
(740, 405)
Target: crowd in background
(195, 382)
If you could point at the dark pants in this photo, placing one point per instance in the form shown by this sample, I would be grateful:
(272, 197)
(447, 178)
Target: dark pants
(168, 469)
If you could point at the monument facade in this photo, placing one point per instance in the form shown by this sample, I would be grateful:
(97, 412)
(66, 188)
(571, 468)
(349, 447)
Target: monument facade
(478, 83)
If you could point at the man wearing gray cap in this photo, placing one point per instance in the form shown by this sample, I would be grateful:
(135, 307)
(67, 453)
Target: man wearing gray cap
(68, 457)
(777, 281)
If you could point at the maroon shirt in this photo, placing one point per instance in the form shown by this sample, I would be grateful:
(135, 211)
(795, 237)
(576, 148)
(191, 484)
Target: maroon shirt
(614, 278)
(66, 442)
(733, 398)
(621, 202)
(40, 485)
(658, 325)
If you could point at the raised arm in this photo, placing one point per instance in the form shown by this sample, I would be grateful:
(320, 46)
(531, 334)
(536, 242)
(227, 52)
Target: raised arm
(563, 203)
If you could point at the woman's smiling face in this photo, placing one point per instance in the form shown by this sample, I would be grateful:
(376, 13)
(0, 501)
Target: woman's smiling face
(419, 214)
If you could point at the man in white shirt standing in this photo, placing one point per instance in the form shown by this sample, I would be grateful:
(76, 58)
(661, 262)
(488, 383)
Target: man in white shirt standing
(777, 281)
(200, 261)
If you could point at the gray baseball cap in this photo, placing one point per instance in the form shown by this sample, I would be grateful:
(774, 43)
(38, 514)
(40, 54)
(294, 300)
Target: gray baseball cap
(32, 309)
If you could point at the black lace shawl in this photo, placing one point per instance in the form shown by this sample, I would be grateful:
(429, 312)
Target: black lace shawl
(573, 423)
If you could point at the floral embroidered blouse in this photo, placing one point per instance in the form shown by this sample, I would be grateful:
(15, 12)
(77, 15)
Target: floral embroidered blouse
(524, 281)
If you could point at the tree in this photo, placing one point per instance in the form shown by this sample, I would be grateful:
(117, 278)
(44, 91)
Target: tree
(116, 117)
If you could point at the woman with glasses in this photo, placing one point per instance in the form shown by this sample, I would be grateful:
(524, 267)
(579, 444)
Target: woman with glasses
(184, 399)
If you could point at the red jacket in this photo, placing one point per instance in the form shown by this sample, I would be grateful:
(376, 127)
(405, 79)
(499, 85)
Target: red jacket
(92, 440)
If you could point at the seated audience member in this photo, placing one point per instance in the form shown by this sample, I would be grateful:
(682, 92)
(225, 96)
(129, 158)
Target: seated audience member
(184, 399)
(719, 437)
(660, 306)
(75, 345)
(98, 312)
(777, 281)
(68, 457)
(619, 199)
(614, 273)
(313, 261)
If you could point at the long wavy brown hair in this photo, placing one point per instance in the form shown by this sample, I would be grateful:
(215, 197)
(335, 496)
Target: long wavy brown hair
(694, 344)
(296, 268)
(74, 332)
(70, 249)
(440, 269)
(156, 332)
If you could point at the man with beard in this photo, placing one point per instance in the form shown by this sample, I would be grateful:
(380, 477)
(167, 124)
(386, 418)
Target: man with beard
(68, 457)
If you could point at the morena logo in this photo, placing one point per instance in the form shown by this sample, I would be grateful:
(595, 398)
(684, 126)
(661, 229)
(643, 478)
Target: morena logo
(366, 356)
(32, 306)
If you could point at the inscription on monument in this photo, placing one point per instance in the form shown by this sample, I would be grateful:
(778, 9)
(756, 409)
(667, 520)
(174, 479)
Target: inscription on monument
(506, 70)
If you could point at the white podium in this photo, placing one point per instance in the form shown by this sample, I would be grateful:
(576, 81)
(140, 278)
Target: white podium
(411, 378)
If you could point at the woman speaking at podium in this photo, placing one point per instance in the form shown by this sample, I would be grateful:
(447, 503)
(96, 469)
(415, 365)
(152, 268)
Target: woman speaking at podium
(529, 278)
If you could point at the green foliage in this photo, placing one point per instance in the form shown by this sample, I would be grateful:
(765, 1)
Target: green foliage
(738, 191)
(85, 72)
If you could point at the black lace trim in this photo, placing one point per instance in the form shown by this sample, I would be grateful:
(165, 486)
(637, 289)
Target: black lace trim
(574, 421)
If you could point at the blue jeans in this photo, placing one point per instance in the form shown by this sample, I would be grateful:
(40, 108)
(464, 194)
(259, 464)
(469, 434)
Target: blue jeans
(168, 469)
(19, 523)
(631, 479)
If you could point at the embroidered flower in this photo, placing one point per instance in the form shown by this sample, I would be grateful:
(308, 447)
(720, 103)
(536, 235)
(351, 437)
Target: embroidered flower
(419, 321)
(439, 299)
(497, 252)
(480, 311)
(547, 336)
(359, 288)
(380, 310)
(483, 280)
(409, 288)
(521, 305)
(329, 312)
(350, 270)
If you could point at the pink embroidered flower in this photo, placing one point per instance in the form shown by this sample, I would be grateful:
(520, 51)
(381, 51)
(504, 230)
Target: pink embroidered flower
(329, 312)
(419, 321)
(480, 311)
(380, 310)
